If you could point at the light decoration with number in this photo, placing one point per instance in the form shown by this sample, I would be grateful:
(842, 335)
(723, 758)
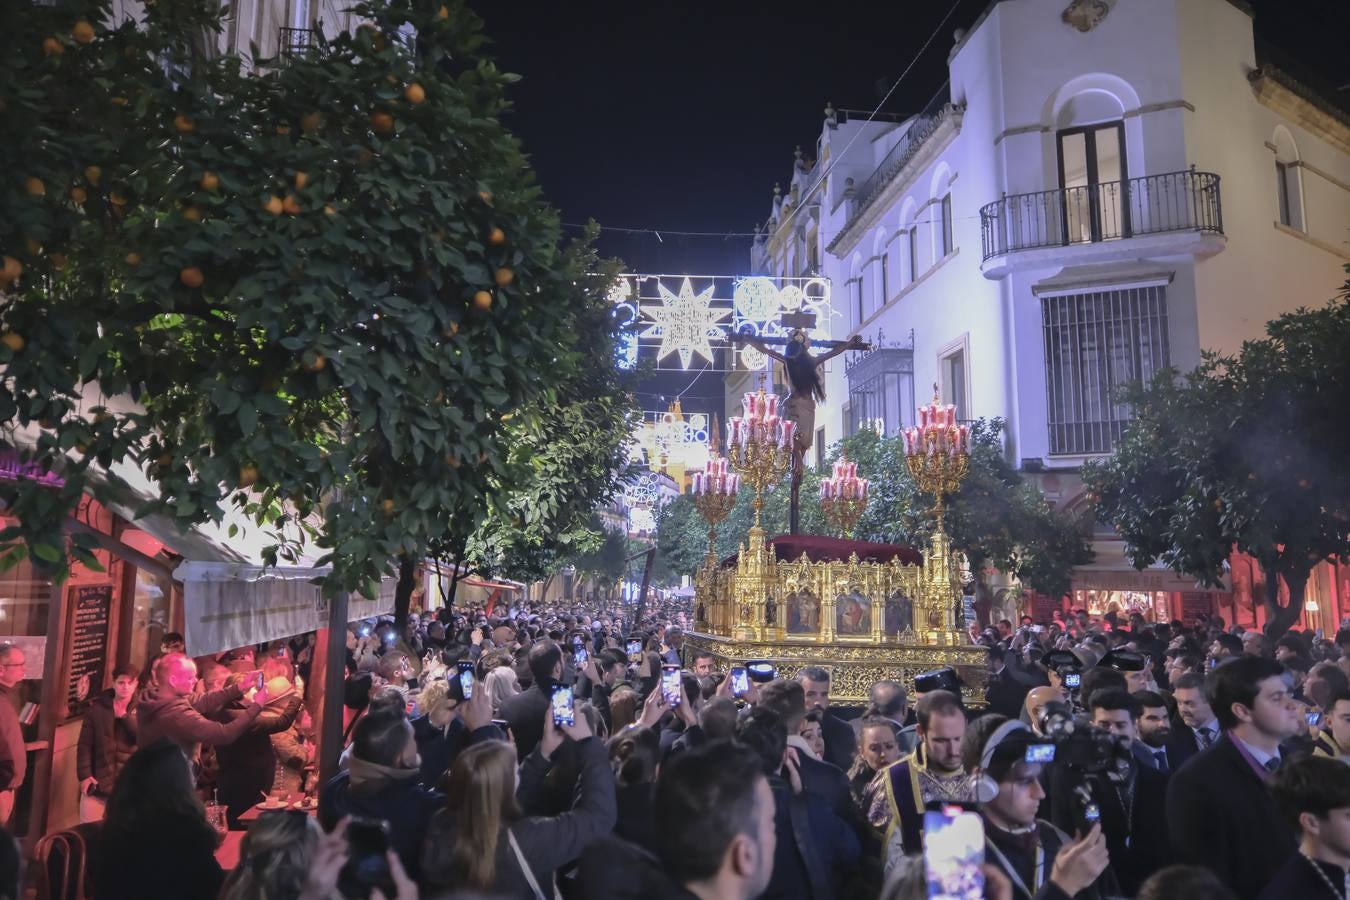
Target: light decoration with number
(626, 317)
(685, 323)
(843, 496)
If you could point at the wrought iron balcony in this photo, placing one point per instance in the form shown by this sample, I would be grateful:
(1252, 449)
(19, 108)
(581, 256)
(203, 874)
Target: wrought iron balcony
(1107, 211)
(294, 41)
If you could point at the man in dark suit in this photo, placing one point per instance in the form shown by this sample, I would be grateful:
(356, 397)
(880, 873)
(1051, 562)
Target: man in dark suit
(524, 712)
(1155, 732)
(1199, 726)
(841, 746)
(1313, 796)
(1219, 813)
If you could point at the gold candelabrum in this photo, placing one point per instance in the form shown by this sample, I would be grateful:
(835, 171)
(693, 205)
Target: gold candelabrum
(759, 446)
(714, 490)
(937, 452)
(843, 497)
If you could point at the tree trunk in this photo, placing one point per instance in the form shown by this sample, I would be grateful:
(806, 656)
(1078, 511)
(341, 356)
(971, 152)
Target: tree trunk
(407, 580)
(1281, 618)
(548, 582)
(454, 578)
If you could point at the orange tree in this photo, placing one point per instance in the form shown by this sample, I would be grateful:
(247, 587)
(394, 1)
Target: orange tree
(318, 290)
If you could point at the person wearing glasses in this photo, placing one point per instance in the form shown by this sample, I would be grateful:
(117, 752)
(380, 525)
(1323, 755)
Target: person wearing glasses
(13, 754)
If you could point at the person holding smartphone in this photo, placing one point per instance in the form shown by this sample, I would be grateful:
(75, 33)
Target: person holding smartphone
(449, 723)
(481, 841)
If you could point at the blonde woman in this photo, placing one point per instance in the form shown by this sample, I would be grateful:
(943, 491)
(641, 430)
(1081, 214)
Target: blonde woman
(274, 858)
(502, 684)
(480, 840)
(448, 724)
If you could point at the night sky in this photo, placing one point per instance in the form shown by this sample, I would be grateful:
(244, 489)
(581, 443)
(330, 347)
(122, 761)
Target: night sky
(681, 116)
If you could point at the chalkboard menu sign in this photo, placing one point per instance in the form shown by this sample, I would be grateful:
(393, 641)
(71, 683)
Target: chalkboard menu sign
(88, 659)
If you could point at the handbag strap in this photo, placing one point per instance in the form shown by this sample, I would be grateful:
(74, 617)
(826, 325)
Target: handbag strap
(525, 866)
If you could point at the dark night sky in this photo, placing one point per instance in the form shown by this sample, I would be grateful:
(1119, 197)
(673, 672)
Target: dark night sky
(682, 115)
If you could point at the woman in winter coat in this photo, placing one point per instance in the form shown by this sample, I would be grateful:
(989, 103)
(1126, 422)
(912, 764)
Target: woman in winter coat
(481, 842)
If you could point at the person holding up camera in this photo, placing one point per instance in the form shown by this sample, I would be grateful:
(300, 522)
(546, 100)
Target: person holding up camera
(1042, 862)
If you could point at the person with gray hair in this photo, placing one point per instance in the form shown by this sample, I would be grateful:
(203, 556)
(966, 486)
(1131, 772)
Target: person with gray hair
(13, 753)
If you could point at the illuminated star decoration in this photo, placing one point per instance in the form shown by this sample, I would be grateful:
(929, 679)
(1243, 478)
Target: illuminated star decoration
(686, 324)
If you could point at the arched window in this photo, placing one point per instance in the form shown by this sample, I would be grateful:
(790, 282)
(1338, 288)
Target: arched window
(1288, 185)
(1090, 140)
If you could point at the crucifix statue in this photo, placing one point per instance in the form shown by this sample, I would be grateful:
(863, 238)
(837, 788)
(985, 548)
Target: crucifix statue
(805, 385)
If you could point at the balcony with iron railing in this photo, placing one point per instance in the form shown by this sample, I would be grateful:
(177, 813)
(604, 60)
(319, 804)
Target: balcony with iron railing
(1102, 215)
(294, 41)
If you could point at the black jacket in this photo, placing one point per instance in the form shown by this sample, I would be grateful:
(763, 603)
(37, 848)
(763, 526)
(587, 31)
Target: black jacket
(106, 743)
(1181, 746)
(813, 846)
(1005, 694)
(406, 805)
(1297, 878)
(841, 745)
(1134, 823)
(1220, 815)
(524, 712)
(176, 862)
(248, 765)
(440, 748)
(547, 843)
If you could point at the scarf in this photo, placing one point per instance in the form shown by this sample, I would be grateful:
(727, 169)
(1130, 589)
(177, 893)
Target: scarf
(364, 773)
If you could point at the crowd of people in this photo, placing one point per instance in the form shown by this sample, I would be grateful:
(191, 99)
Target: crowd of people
(567, 751)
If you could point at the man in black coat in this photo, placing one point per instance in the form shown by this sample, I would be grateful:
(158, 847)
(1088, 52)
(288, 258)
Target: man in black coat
(1200, 728)
(1313, 796)
(1219, 812)
(525, 711)
(1133, 813)
(1004, 693)
(841, 745)
(248, 764)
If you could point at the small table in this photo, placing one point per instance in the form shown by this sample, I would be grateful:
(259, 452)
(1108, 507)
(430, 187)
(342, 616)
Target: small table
(254, 812)
(227, 854)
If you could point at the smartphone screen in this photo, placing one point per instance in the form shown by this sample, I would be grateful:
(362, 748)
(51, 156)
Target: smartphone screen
(953, 851)
(670, 685)
(580, 655)
(367, 865)
(634, 649)
(258, 681)
(1313, 718)
(281, 653)
(563, 712)
(1073, 680)
(466, 679)
(740, 681)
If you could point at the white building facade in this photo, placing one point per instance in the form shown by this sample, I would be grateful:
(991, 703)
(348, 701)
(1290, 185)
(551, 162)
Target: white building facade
(1100, 191)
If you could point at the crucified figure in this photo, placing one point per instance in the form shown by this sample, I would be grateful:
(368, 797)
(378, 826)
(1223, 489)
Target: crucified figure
(805, 384)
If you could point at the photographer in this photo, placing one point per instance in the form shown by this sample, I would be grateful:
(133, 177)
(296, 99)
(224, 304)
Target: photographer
(1041, 861)
(1130, 799)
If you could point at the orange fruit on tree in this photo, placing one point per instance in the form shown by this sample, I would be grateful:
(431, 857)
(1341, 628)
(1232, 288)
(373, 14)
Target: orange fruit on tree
(52, 47)
(34, 186)
(117, 199)
(382, 122)
(78, 195)
(497, 237)
(443, 13)
(11, 270)
(192, 277)
(133, 259)
(314, 362)
(13, 341)
(504, 276)
(329, 211)
(451, 330)
(273, 205)
(184, 124)
(83, 32)
(248, 475)
(283, 129)
(301, 179)
(192, 214)
(210, 181)
(311, 122)
(414, 93)
(290, 206)
(387, 506)
(32, 246)
(58, 260)
(92, 174)
(482, 301)
(118, 101)
(486, 197)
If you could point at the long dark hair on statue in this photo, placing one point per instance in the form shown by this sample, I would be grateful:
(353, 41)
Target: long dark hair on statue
(802, 371)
